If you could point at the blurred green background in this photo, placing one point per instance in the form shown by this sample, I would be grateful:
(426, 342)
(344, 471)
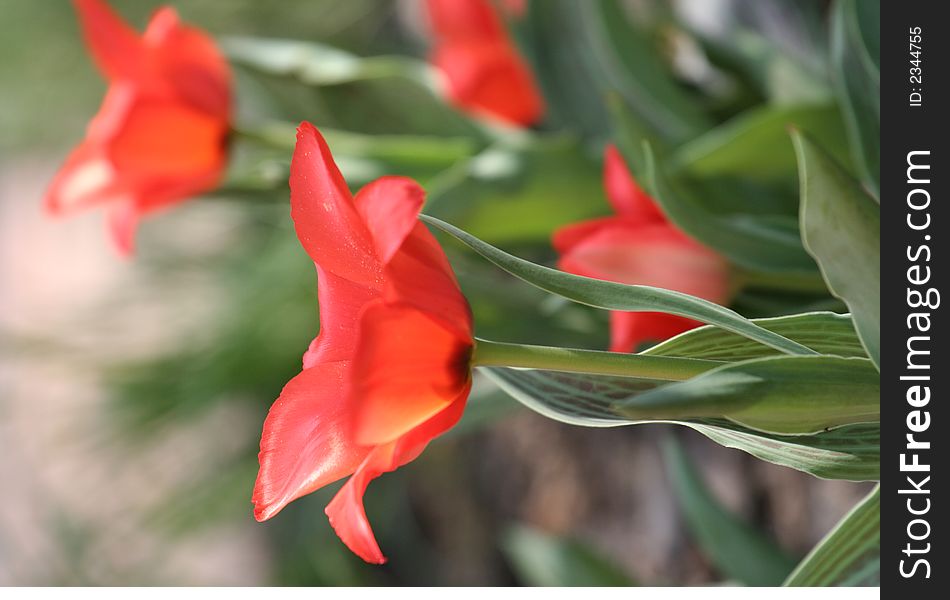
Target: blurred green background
(133, 392)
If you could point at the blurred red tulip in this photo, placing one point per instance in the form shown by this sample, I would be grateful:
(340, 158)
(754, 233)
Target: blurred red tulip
(389, 369)
(639, 246)
(161, 133)
(484, 73)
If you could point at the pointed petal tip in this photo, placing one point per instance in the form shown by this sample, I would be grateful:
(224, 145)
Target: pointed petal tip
(51, 205)
(115, 46)
(122, 220)
(390, 206)
(263, 512)
(357, 535)
(306, 128)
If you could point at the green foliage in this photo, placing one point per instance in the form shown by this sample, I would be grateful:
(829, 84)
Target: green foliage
(520, 192)
(780, 394)
(738, 550)
(851, 452)
(617, 296)
(735, 148)
(541, 559)
(757, 242)
(855, 59)
(850, 555)
(841, 227)
(824, 332)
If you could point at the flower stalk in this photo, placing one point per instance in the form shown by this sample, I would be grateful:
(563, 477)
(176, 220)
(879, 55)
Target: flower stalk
(499, 354)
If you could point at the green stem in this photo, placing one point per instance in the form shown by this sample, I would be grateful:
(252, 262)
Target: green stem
(499, 354)
(274, 134)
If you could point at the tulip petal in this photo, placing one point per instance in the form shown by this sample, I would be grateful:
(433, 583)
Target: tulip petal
(329, 228)
(86, 178)
(116, 47)
(623, 192)
(407, 368)
(654, 255)
(160, 139)
(390, 208)
(122, 220)
(628, 330)
(346, 511)
(459, 19)
(568, 236)
(490, 79)
(341, 303)
(420, 275)
(307, 441)
(190, 61)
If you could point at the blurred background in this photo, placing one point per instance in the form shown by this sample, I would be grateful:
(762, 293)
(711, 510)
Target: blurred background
(132, 392)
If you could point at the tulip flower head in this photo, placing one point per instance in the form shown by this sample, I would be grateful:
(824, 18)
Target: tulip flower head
(390, 368)
(161, 133)
(639, 246)
(484, 73)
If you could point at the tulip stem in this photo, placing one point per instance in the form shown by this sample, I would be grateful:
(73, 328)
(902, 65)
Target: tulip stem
(499, 354)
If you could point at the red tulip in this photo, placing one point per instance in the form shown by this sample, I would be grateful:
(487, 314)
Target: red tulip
(483, 71)
(389, 370)
(160, 135)
(639, 246)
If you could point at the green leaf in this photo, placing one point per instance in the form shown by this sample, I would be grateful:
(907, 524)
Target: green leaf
(754, 242)
(539, 559)
(824, 332)
(617, 296)
(582, 51)
(264, 163)
(318, 64)
(401, 93)
(735, 148)
(850, 452)
(635, 67)
(841, 227)
(738, 550)
(855, 58)
(777, 394)
(850, 555)
(781, 76)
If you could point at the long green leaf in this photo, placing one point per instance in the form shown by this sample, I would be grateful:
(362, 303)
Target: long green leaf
(824, 332)
(850, 555)
(777, 394)
(850, 452)
(540, 559)
(756, 243)
(617, 296)
(636, 69)
(735, 149)
(855, 33)
(739, 550)
(841, 228)
(318, 64)
(401, 93)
